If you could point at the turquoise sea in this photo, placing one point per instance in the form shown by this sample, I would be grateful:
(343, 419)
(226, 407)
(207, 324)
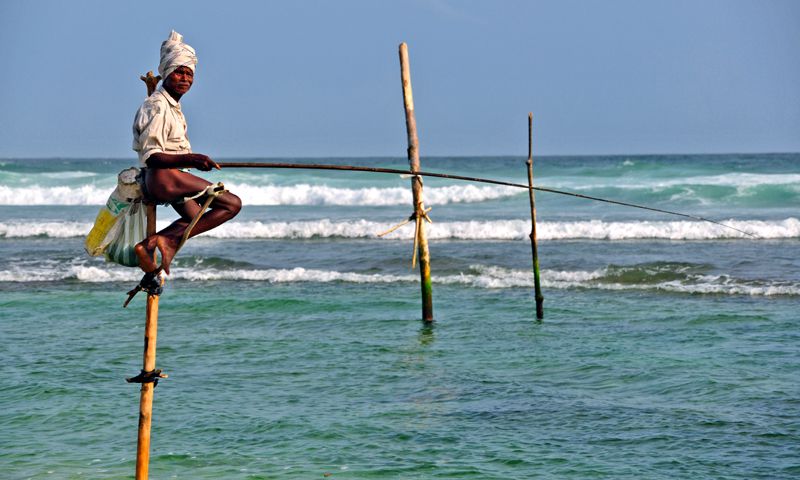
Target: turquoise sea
(295, 350)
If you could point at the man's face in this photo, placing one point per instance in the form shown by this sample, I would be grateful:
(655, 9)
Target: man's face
(179, 81)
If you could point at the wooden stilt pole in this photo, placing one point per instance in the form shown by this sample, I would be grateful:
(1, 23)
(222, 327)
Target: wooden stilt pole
(536, 282)
(416, 188)
(149, 375)
(148, 365)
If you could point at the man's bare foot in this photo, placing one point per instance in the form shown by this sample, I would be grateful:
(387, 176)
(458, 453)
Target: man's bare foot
(168, 249)
(145, 250)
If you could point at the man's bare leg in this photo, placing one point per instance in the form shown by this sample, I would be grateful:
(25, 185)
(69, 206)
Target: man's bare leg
(176, 184)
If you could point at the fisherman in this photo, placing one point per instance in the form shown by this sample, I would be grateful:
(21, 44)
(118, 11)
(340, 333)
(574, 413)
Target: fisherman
(159, 137)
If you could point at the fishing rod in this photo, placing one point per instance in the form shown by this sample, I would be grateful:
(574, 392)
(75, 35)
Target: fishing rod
(355, 168)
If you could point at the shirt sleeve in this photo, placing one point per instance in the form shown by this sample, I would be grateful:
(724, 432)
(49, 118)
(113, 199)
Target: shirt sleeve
(149, 131)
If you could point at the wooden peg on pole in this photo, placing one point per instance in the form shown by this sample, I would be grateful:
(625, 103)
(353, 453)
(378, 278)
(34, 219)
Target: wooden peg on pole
(151, 82)
(420, 214)
(536, 281)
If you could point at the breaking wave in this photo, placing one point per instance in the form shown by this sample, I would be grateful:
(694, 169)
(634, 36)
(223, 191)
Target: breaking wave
(301, 194)
(659, 276)
(736, 180)
(468, 230)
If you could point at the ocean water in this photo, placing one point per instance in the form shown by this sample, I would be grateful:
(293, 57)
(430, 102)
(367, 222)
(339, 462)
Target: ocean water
(294, 346)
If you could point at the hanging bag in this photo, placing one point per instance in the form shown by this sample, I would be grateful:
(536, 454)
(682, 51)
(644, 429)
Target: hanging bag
(120, 223)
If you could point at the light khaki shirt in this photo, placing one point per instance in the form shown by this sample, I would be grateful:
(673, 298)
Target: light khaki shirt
(159, 126)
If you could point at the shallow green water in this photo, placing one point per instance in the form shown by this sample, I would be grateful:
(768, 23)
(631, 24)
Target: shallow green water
(296, 382)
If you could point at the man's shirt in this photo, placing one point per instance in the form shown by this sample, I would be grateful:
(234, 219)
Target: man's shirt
(159, 126)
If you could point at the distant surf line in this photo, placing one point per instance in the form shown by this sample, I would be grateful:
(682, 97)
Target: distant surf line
(510, 229)
(270, 195)
(683, 279)
(450, 176)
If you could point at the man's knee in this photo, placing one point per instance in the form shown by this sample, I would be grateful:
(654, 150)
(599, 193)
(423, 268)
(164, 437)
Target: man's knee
(231, 203)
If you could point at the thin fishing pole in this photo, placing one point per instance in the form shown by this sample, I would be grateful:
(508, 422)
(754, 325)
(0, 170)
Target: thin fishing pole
(354, 168)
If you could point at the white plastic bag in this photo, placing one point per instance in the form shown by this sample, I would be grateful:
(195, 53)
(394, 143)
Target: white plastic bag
(129, 230)
(120, 224)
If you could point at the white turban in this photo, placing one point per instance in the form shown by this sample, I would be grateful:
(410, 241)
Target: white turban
(174, 54)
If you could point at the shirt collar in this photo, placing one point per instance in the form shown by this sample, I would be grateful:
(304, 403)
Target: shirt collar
(172, 101)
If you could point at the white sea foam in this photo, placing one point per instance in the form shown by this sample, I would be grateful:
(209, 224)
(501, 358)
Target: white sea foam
(737, 180)
(18, 229)
(477, 276)
(675, 230)
(498, 277)
(83, 273)
(304, 194)
(468, 230)
(290, 276)
(70, 175)
(741, 181)
(39, 195)
(301, 194)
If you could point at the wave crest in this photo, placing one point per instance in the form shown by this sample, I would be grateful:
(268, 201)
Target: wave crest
(467, 230)
(664, 277)
(301, 194)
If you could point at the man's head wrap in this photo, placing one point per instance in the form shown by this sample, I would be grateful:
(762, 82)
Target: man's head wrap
(174, 54)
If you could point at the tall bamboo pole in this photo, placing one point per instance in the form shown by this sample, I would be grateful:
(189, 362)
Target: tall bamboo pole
(416, 188)
(148, 365)
(534, 251)
(149, 358)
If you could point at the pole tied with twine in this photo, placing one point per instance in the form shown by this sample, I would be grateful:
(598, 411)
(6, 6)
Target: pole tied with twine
(420, 238)
(419, 214)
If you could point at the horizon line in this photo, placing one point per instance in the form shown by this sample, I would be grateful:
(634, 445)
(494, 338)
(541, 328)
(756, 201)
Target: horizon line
(503, 155)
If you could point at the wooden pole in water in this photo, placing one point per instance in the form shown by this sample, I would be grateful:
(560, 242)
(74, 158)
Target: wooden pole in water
(421, 239)
(149, 360)
(148, 365)
(536, 282)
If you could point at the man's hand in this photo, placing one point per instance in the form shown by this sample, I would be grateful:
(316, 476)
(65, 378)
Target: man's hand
(203, 162)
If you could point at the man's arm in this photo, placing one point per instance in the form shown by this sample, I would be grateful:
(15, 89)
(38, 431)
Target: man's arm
(183, 160)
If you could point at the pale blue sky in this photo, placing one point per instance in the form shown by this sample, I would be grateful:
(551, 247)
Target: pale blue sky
(321, 78)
